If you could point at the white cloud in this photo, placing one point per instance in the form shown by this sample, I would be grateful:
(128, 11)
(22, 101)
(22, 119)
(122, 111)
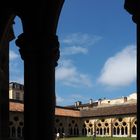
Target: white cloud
(59, 100)
(13, 55)
(70, 99)
(80, 39)
(120, 70)
(74, 50)
(68, 74)
(15, 67)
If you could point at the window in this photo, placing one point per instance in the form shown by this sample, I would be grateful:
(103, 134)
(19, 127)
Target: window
(17, 95)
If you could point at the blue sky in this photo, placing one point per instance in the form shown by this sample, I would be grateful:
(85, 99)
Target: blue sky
(98, 52)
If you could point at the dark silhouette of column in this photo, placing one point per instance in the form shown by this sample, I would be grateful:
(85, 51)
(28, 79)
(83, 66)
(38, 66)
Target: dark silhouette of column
(39, 86)
(133, 7)
(4, 83)
(4, 92)
(39, 48)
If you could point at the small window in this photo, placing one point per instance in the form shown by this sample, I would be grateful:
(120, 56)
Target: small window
(21, 123)
(60, 124)
(17, 95)
(10, 123)
(90, 125)
(103, 120)
(116, 124)
(106, 124)
(124, 123)
(16, 118)
(73, 121)
(99, 124)
(120, 119)
(57, 120)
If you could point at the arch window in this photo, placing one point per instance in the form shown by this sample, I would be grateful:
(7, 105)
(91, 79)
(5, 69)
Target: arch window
(83, 131)
(70, 131)
(59, 130)
(101, 131)
(77, 131)
(126, 131)
(9, 130)
(108, 130)
(63, 130)
(55, 130)
(134, 127)
(122, 131)
(104, 131)
(97, 131)
(118, 130)
(22, 131)
(134, 130)
(19, 132)
(13, 131)
(114, 130)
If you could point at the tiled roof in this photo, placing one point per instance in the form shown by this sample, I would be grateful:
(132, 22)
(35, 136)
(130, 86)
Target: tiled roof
(94, 112)
(15, 106)
(110, 110)
(67, 112)
(60, 111)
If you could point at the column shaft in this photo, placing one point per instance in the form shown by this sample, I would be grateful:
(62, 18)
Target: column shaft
(39, 86)
(4, 90)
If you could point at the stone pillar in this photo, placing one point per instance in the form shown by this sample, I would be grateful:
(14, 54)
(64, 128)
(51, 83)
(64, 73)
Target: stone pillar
(133, 7)
(40, 58)
(111, 128)
(4, 83)
(4, 90)
(129, 128)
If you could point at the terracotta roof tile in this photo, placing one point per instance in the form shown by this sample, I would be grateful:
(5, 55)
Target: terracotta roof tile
(67, 112)
(110, 110)
(94, 112)
(13, 106)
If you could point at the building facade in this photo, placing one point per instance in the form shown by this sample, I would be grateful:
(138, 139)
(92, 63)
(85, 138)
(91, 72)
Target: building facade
(109, 118)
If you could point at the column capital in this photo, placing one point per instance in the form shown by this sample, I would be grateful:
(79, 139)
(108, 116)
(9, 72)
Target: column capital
(133, 7)
(39, 47)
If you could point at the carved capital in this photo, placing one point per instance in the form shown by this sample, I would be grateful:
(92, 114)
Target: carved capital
(133, 7)
(39, 47)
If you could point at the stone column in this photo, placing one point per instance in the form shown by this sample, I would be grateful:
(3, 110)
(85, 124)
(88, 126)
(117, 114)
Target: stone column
(133, 7)
(4, 82)
(4, 90)
(129, 128)
(40, 57)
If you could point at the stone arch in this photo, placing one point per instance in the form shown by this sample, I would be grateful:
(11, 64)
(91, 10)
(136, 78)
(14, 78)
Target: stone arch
(134, 127)
(6, 35)
(102, 126)
(120, 127)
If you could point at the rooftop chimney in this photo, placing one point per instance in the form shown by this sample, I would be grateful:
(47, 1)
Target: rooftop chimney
(90, 101)
(125, 99)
